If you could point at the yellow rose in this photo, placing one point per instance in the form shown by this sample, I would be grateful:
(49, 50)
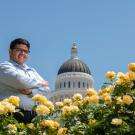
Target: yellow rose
(59, 104)
(50, 124)
(56, 124)
(14, 100)
(46, 123)
(12, 128)
(123, 79)
(67, 101)
(5, 100)
(86, 100)
(127, 99)
(119, 100)
(3, 109)
(131, 67)
(116, 121)
(94, 99)
(107, 98)
(109, 88)
(131, 75)
(42, 110)
(101, 91)
(8, 107)
(50, 105)
(105, 95)
(66, 111)
(110, 75)
(77, 96)
(40, 98)
(91, 92)
(62, 131)
(78, 103)
(74, 108)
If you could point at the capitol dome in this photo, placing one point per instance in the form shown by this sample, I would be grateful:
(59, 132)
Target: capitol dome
(74, 76)
(74, 65)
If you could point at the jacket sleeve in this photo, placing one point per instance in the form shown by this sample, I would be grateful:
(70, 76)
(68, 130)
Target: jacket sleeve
(11, 77)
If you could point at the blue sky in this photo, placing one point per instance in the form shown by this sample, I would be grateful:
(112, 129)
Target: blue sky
(104, 31)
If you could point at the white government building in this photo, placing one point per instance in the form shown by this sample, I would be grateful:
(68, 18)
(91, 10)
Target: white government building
(73, 77)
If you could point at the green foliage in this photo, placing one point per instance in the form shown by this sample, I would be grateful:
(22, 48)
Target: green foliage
(112, 114)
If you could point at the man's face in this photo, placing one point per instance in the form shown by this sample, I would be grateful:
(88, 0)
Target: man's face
(19, 54)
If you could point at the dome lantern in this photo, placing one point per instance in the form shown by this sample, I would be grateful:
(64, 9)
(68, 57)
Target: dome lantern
(74, 51)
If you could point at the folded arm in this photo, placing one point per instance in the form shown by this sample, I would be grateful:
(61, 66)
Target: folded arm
(28, 91)
(10, 76)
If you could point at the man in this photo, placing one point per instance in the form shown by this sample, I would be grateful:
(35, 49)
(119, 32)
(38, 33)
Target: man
(17, 79)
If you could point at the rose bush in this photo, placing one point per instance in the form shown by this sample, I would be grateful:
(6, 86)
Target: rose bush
(108, 111)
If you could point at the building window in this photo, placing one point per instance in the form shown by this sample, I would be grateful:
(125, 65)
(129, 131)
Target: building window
(87, 85)
(69, 84)
(64, 84)
(73, 84)
(83, 85)
(60, 85)
(78, 84)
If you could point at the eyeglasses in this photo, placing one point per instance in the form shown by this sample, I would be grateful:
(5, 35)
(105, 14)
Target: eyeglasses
(19, 50)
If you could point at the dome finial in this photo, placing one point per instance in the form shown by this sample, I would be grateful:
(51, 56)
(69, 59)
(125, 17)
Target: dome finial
(74, 51)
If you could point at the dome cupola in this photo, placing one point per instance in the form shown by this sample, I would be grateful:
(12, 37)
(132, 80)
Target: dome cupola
(74, 51)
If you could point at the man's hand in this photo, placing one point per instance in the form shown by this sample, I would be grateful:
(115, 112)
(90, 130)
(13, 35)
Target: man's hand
(45, 83)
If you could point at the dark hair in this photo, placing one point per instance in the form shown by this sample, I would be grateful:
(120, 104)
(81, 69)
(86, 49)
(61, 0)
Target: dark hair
(18, 41)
